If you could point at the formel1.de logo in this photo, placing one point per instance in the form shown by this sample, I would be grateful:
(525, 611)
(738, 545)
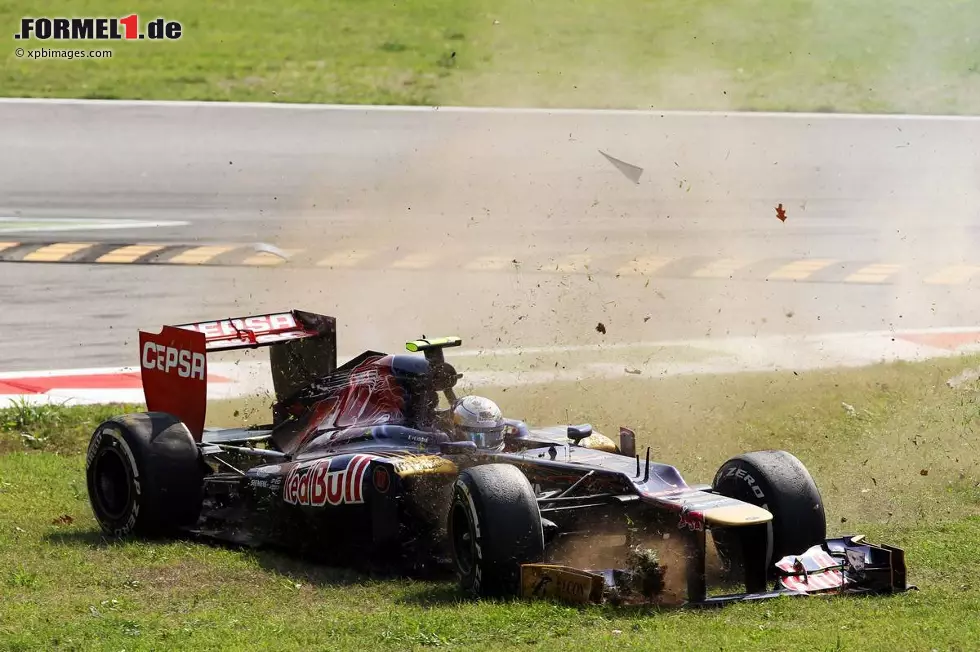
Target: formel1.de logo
(98, 29)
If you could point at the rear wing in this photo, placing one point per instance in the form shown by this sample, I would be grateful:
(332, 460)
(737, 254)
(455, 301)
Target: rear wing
(302, 346)
(261, 330)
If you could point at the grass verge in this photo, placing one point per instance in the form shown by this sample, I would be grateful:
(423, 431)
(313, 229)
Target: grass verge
(890, 446)
(837, 55)
(51, 427)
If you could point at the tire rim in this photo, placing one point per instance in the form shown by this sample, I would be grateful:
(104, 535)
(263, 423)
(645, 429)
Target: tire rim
(112, 486)
(463, 539)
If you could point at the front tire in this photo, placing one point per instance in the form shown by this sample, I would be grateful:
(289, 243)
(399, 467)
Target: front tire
(145, 475)
(778, 482)
(494, 527)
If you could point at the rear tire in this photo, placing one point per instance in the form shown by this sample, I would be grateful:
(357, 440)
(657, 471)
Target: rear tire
(494, 527)
(778, 482)
(145, 475)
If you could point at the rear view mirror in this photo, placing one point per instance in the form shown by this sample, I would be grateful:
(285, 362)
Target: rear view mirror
(578, 433)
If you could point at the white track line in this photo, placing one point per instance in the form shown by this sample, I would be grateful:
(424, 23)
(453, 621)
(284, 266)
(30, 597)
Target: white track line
(69, 372)
(486, 110)
(12, 225)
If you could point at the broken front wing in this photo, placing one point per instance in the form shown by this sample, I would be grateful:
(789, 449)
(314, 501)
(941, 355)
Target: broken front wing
(843, 566)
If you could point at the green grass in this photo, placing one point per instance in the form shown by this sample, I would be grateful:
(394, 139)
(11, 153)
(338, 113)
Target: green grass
(835, 55)
(64, 587)
(53, 428)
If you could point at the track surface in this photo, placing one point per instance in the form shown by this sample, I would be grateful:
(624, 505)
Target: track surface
(436, 186)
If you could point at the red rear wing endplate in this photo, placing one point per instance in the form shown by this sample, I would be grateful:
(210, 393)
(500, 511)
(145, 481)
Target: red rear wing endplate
(174, 368)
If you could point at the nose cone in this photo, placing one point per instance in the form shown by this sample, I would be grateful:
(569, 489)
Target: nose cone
(735, 515)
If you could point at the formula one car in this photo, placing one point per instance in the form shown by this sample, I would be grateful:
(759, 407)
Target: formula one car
(362, 462)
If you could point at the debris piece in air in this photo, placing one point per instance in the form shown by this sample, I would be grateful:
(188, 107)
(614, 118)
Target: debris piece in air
(646, 319)
(601, 328)
(635, 372)
(631, 172)
(262, 247)
(780, 212)
(924, 472)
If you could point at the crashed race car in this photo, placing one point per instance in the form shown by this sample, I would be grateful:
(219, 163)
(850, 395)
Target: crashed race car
(378, 459)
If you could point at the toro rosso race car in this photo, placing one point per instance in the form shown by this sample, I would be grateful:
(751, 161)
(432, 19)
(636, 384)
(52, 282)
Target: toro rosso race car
(366, 462)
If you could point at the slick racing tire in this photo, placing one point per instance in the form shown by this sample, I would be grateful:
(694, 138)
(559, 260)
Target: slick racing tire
(778, 482)
(494, 526)
(145, 475)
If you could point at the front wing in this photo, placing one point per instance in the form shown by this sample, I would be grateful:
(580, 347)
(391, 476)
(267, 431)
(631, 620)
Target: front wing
(846, 565)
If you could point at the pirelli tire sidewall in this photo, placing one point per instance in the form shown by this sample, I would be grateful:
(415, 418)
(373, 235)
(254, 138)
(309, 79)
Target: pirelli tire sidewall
(495, 505)
(145, 475)
(778, 482)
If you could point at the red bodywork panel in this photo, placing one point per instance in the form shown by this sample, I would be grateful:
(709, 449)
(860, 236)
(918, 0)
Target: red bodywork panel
(372, 396)
(369, 394)
(175, 375)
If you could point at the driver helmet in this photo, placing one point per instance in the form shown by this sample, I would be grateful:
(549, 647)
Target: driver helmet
(479, 420)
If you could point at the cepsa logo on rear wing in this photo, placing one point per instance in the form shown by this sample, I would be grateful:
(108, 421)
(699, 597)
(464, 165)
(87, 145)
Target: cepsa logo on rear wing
(174, 371)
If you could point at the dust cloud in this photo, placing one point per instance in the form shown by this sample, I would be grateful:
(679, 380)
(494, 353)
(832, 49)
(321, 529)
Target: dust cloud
(540, 198)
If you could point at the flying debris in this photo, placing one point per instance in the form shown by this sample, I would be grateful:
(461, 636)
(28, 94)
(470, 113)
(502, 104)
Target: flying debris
(263, 247)
(631, 172)
(781, 213)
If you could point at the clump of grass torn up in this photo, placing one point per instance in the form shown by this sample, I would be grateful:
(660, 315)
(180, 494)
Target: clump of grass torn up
(643, 579)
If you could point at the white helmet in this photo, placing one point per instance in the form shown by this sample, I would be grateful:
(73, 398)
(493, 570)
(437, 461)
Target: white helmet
(478, 420)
